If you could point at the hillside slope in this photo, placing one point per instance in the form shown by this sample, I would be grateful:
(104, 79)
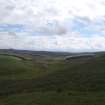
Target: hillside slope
(52, 81)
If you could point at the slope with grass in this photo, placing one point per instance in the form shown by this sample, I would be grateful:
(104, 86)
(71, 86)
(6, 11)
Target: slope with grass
(52, 81)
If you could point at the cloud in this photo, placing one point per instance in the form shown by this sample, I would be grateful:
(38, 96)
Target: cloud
(64, 25)
(88, 27)
(56, 7)
(75, 43)
(39, 12)
(35, 11)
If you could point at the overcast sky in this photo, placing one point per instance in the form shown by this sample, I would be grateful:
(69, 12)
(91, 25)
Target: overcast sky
(53, 25)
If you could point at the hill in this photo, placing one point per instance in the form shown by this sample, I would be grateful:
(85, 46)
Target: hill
(47, 78)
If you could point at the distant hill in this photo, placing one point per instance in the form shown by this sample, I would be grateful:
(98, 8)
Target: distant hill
(45, 53)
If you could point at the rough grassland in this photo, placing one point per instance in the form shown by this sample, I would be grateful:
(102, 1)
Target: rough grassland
(52, 81)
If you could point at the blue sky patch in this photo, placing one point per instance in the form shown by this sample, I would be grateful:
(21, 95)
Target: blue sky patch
(12, 28)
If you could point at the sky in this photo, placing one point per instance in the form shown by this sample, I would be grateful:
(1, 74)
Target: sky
(53, 25)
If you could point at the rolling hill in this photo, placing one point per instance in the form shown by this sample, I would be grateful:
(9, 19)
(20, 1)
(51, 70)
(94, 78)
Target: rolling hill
(51, 78)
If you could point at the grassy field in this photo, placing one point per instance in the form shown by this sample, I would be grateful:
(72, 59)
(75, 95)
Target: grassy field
(52, 81)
